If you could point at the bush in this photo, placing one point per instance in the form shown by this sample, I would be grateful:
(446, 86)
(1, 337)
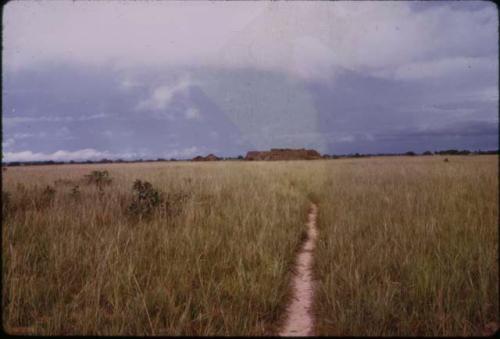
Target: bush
(148, 200)
(145, 200)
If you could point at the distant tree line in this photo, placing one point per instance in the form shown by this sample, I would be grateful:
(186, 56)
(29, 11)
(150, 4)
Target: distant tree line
(240, 157)
(411, 153)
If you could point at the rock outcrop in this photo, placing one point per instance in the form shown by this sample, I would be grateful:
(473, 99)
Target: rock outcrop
(209, 157)
(283, 154)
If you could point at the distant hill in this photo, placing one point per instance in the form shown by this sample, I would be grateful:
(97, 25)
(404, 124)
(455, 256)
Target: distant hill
(284, 154)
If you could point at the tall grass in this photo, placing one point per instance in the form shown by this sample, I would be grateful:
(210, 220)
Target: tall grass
(82, 266)
(408, 247)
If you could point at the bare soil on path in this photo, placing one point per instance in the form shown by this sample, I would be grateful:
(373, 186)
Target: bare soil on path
(299, 320)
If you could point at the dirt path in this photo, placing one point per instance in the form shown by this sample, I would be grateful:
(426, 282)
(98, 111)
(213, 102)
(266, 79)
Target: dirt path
(299, 320)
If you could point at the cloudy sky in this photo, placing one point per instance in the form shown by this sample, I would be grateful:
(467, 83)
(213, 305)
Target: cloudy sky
(148, 79)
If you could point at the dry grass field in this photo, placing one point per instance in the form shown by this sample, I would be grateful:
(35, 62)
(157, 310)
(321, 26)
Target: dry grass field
(407, 246)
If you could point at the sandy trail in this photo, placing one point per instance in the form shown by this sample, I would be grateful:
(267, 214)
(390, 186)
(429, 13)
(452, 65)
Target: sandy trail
(299, 320)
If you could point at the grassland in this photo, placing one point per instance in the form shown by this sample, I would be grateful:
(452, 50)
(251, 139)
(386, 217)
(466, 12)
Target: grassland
(84, 267)
(406, 246)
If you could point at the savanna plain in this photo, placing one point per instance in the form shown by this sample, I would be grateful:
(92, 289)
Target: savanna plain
(406, 246)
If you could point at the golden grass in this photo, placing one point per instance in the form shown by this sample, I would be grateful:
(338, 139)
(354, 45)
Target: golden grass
(406, 246)
(82, 267)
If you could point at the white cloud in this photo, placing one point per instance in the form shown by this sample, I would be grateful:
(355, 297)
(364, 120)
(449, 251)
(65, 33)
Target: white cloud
(162, 96)
(92, 154)
(192, 113)
(300, 38)
(130, 33)
(84, 154)
(63, 155)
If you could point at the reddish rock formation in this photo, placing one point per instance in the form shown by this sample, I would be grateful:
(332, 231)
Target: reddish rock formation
(283, 154)
(209, 157)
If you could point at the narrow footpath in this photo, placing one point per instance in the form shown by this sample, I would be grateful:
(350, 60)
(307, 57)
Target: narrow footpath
(299, 320)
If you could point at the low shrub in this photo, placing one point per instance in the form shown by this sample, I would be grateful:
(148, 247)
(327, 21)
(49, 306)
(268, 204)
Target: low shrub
(148, 200)
(145, 200)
